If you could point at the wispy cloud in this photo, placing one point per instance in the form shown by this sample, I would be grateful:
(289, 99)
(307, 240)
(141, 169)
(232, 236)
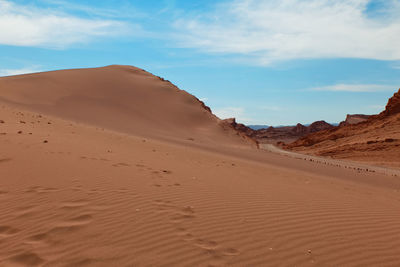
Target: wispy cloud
(355, 88)
(376, 107)
(23, 25)
(233, 112)
(10, 72)
(273, 30)
(228, 112)
(123, 10)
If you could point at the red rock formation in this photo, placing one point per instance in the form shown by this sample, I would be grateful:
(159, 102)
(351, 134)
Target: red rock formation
(354, 119)
(300, 129)
(375, 139)
(239, 126)
(319, 126)
(393, 105)
(277, 134)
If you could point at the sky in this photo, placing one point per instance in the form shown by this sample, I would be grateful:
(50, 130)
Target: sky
(269, 62)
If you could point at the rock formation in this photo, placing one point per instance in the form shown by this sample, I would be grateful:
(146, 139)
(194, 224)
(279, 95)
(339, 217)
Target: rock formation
(354, 119)
(393, 105)
(375, 138)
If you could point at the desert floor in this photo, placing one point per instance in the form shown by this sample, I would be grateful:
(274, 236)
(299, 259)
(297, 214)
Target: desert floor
(72, 194)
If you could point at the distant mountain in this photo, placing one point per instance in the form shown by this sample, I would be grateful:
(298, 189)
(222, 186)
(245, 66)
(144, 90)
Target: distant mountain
(257, 127)
(373, 138)
(265, 134)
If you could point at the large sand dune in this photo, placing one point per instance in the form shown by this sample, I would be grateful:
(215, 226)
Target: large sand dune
(122, 98)
(81, 190)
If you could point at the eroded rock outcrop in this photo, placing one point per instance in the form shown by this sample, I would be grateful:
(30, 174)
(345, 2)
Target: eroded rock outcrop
(354, 119)
(278, 134)
(393, 105)
(374, 138)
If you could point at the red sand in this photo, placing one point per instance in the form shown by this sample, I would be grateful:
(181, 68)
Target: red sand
(114, 167)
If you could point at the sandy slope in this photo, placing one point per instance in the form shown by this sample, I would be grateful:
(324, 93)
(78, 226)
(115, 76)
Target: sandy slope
(72, 194)
(122, 98)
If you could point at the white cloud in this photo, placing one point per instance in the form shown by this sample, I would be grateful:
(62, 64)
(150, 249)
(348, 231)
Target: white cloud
(274, 30)
(233, 112)
(376, 107)
(123, 10)
(22, 25)
(10, 72)
(355, 88)
(228, 112)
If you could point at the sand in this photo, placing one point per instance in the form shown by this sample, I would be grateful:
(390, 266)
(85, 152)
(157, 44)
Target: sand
(74, 192)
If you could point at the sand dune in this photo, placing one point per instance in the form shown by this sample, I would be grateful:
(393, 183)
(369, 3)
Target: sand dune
(122, 98)
(77, 191)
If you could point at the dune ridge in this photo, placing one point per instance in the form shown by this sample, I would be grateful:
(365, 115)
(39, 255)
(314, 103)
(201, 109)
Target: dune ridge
(122, 98)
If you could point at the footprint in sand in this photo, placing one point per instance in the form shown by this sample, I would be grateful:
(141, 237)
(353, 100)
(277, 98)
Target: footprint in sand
(70, 225)
(210, 247)
(230, 252)
(41, 190)
(26, 211)
(184, 234)
(3, 192)
(163, 205)
(121, 164)
(5, 160)
(175, 184)
(77, 187)
(167, 171)
(81, 219)
(6, 231)
(188, 237)
(183, 214)
(48, 190)
(218, 256)
(27, 259)
(32, 189)
(74, 204)
(206, 244)
(140, 165)
(38, 238)
(121, 190)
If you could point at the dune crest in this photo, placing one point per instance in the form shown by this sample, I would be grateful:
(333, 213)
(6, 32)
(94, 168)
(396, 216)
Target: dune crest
(122, 98)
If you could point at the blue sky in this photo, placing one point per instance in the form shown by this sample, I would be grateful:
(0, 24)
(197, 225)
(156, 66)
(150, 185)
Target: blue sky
(264, 62)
